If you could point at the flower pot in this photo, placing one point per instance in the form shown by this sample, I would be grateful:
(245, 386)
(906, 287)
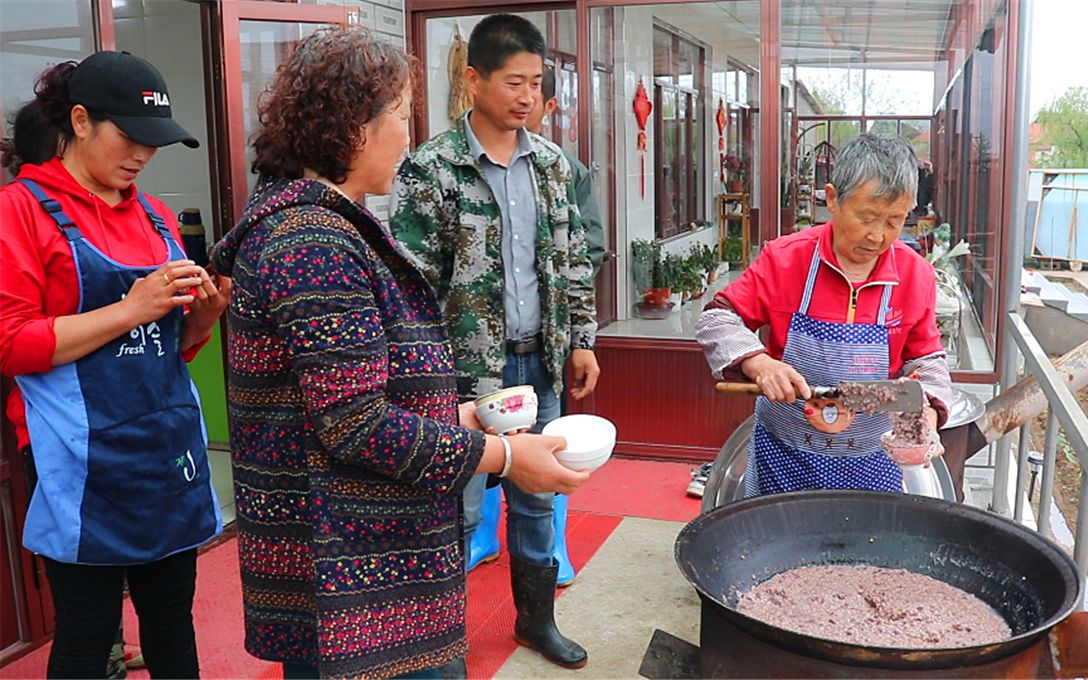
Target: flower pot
(656, 297)
(676, 299)
(735, 186)
(712, 275)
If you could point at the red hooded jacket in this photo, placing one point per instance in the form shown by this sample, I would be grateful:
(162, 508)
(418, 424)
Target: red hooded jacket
(38, 280)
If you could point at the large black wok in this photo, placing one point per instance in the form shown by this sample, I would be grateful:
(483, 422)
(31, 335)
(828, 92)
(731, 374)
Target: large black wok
(1026, 578)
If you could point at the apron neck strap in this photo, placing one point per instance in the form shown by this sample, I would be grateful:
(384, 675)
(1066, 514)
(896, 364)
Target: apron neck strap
(885, 301)
(810, 283)
(810, 286)
(156, 220)
(52, 208)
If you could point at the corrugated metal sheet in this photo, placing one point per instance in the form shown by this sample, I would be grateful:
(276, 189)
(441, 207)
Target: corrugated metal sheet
(1060, 226)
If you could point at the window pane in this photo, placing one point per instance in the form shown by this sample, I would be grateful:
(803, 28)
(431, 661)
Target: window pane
(698, 48)
(33, 38)
(683, 162)
(884, 128)
(265, 45)
(445, 100)
(917, 133)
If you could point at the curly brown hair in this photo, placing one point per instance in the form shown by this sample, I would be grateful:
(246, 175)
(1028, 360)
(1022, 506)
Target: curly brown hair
(313, 112)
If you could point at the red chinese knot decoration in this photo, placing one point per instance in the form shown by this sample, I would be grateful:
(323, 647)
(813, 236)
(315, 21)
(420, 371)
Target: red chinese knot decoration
(643, 107)
(721, 119)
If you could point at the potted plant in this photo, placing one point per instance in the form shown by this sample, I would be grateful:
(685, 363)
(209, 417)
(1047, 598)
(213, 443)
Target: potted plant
(652, 278)
(735, 167)
(643, 256)
(708, 257)
(692, 276)
(671, 271)
(732, 250)
(805, 170)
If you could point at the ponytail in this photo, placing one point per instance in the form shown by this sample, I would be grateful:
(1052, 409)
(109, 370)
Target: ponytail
(33, 140)
(52, 110)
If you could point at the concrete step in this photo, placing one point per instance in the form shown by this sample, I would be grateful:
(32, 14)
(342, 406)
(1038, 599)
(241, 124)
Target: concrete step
(1076, 304)
(1029, 281)
(1054, 294)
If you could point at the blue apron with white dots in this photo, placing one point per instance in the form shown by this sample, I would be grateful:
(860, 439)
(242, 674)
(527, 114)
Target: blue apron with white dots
(118, 438)
(786, 452)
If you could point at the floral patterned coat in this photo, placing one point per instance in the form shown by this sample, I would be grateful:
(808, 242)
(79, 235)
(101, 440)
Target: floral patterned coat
(348, 463)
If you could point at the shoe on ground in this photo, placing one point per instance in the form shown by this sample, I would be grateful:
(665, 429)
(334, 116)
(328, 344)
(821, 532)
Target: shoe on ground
(699, 476)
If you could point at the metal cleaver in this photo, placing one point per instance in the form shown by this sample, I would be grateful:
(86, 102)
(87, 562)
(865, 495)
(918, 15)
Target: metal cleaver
(861, 395)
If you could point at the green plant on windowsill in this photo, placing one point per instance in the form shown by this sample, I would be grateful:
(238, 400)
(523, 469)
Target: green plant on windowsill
(670, 271)
(644, 257)
(732, 249)
(691, 276)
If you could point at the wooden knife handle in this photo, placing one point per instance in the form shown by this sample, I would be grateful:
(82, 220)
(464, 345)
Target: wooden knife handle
(738, 388)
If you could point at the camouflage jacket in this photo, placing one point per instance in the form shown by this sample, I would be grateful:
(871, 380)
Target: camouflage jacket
(444, 213)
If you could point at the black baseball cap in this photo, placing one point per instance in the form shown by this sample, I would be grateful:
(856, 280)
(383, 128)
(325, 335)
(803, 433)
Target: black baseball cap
(132, 94)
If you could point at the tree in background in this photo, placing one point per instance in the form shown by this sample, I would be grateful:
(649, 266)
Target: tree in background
(1065, 123)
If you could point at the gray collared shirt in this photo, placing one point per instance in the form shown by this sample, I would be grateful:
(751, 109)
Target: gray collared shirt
(516, 198)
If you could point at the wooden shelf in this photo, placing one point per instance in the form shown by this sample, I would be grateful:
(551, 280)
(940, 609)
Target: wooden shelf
(726, 216)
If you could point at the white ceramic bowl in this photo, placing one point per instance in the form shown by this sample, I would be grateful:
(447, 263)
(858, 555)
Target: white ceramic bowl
(590, 440)
(508, 410)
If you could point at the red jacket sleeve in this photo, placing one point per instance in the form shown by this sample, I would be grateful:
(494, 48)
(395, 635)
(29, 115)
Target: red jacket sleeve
(748, 294)
(27, 341)
(924, 338)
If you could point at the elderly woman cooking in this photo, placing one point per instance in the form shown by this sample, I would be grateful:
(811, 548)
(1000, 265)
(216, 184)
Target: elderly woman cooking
(844, 301)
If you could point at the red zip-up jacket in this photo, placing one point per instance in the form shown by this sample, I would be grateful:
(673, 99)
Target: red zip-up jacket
(38, 280)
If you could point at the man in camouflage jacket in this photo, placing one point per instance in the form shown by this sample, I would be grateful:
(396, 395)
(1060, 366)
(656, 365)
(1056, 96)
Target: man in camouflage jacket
(445, 214)
(491, 215)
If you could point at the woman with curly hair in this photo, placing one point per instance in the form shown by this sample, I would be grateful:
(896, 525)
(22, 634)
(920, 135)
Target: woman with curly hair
(350, 450)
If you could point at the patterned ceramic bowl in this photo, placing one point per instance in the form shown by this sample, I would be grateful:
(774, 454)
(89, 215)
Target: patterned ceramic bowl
(509, 410)
(912, 454)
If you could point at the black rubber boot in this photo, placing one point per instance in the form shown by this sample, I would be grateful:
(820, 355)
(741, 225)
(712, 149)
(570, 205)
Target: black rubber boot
(534, 599)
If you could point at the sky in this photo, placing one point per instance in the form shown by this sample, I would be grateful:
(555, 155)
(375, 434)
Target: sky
(1058, 60)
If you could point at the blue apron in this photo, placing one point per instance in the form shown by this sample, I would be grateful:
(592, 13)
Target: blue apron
(118, 437)
(787, 452)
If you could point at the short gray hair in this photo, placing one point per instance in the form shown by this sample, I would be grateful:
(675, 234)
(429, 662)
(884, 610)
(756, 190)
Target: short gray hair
(890, 161)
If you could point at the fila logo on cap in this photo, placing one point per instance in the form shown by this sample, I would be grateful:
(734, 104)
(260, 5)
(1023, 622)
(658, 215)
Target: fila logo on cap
(156, 98)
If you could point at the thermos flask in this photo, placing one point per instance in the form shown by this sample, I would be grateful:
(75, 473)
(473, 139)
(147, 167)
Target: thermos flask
(192, 235)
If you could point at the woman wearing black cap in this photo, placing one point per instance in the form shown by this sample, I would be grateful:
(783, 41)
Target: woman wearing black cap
(99, 310)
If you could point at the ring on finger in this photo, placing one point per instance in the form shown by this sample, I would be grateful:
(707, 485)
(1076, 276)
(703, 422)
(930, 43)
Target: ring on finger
(166, 277)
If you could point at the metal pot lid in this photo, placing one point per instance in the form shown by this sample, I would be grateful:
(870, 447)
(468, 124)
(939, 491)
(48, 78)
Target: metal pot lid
(966, 408)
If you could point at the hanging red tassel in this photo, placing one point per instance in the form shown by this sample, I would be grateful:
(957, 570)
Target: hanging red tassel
(721, 119)
(642, 107)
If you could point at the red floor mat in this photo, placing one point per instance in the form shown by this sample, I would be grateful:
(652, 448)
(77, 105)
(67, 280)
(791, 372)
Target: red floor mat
(622, 488)
(217, 616)
(638, 488)
(218, 611)
(491, 606)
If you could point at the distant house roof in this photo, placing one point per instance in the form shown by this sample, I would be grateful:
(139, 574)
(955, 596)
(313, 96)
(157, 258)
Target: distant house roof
(803, 95)
(1039, 150)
